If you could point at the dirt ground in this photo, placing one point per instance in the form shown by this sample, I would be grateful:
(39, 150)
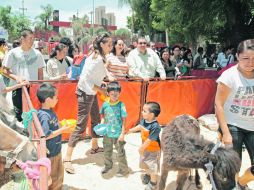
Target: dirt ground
(88, 167)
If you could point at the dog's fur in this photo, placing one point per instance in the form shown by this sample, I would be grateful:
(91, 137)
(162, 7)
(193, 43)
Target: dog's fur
(183, 148)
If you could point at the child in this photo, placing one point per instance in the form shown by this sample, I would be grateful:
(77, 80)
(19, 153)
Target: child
(4, 89)
(114, 113)
(47, 95)
(150, 148)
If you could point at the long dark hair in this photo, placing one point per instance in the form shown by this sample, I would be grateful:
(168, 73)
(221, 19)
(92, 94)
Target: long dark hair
(58, 47)
(114, 47)
(97, 44)
(163, 51)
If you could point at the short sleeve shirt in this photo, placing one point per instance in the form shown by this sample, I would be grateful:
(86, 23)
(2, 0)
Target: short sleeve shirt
(113, 115)
(24, 64)
(153, 128)
(49, 123)
(239, 107)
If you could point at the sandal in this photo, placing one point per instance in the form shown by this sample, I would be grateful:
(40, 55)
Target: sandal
(97, 150)
(68, 167)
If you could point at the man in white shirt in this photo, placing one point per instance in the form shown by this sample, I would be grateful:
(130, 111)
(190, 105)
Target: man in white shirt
(144, 62)
(23, 63)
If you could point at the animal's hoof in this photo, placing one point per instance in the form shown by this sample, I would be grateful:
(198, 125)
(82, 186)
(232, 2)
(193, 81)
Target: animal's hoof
(191, 178)
(199, 186)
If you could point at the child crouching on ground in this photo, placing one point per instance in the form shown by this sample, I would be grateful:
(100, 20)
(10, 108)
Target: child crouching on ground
(113, 114)
(150, 148)
(47, 95)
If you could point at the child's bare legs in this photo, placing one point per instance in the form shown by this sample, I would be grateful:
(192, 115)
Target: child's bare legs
(153, 178)
(151, 185)
(94, 143)
(69, 153)
(70, 149)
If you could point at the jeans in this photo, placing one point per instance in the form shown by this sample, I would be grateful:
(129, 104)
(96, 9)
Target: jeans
(241, 136)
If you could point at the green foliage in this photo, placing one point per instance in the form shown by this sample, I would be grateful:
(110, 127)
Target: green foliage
(5, 18)
(187, 21)
(213, 20)
(123, 33)
(20, 23)
(42, 20)
(14, 24)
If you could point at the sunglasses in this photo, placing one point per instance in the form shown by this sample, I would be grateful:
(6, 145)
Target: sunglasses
(142, 43)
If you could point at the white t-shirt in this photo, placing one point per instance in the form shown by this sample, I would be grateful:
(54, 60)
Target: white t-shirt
(92, 74)
(239, 106)
(24, 64)
(2, 85)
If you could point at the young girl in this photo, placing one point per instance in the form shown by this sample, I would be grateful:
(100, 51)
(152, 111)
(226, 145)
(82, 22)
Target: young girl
(234, 101)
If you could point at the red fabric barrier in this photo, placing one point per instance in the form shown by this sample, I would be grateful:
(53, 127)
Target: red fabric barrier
(66, 107)
(205, 73)
(194, 97)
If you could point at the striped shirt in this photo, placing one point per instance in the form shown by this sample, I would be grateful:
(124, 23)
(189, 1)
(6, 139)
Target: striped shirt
(117, 66)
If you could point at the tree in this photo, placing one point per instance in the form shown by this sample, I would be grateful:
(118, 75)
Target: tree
(14, 24)
(189, 20)
(43, 19)
(20, 23)
(123, 33)
(5, 18)
(142, 17)
(81, 35)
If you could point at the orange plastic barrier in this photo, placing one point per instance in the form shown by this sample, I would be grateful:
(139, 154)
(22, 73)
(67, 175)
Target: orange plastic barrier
(194, 97)
(66, 107)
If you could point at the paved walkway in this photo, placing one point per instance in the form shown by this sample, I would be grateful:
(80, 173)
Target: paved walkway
(88, 169)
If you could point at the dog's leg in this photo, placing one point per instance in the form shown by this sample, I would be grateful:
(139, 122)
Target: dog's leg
(164, 175)
(181, 178)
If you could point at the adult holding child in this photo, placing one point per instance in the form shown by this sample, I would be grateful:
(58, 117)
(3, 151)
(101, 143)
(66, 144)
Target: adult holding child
(89, 84)
(234, 101)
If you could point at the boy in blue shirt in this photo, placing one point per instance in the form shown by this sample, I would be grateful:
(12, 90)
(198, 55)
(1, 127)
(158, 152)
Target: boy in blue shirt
(47, 95)
(114, 114)
(150, 148)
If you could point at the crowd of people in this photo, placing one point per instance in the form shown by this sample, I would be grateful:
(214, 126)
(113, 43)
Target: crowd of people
(109, 60)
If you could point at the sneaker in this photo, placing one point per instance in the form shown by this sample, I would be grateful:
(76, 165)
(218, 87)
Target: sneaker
(122, 173)
(105, 170)
(146, 179)
(150, 186)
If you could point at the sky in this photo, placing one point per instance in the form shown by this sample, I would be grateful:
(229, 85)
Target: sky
(70, 7)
